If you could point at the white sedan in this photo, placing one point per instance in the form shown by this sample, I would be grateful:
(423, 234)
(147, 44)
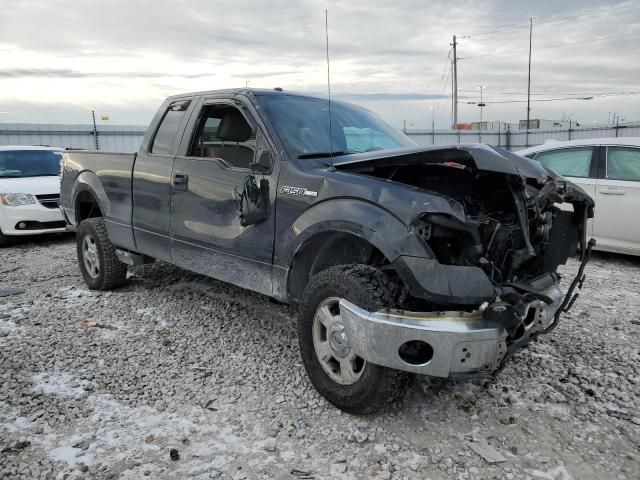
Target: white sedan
(29, 192)
(608, 169)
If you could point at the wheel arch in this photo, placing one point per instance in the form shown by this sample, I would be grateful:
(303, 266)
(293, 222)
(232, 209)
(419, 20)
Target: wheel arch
(346, 231)
(89, 198)
(327, 249)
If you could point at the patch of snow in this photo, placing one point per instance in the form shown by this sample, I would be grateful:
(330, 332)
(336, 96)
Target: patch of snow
(119, 431)
(556, 473)
(147, 311)
(59, 384)
(66, 454)
(7, 324)
(10, 420)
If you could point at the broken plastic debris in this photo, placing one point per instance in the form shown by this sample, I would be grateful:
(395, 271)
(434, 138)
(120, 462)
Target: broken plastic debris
(623, 416)
(303, 474)
(486, 451)
(5, 292)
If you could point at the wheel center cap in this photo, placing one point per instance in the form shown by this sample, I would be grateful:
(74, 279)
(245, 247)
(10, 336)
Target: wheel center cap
(338, 340)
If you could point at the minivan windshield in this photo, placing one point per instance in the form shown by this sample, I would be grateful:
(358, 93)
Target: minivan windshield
(303, 125)
(29, 163)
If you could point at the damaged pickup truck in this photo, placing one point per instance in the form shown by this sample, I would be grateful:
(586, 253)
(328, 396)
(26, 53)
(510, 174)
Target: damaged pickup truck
(403, 260)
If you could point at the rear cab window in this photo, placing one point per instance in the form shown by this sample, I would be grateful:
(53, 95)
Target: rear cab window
(568, 162)
(168, 129)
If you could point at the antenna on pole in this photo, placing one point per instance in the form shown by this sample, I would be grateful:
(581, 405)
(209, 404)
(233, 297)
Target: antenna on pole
(454, 82)
(326, 34)
(95, 129)
(529, 82)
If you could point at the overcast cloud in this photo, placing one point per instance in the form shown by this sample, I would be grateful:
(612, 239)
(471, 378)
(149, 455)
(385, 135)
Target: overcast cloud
(61, 58)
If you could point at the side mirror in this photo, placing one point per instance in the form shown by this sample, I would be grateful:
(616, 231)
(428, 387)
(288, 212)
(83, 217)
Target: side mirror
(263, 163)
(252, 205)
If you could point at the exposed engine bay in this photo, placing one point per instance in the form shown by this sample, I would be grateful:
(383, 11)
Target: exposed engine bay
(517, 226)
(513, 228)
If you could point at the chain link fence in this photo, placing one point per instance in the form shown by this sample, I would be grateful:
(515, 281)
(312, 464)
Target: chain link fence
(515, 140)
(122, 138)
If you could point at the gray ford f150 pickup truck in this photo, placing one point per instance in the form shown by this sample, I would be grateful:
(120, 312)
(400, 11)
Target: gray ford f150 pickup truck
(432, 260)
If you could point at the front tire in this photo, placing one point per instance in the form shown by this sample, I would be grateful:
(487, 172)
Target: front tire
(97, 257)
(340, 376)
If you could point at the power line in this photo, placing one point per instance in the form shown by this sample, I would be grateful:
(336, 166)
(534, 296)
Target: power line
(439, 112)
(556, 45)
(539, 100)
(443, 82)
(590, 12)
(554, 99)
(518, 26)
(597, 94)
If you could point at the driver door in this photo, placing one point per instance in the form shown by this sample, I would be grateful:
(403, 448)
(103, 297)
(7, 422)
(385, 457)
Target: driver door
(212, 181)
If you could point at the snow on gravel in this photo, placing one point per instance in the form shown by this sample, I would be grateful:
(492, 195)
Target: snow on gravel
(105, 385)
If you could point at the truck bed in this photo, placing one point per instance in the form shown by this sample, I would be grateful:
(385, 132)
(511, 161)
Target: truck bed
(109, 174)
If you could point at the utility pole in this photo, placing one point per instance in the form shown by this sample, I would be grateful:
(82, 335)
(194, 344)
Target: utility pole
(95, 129)
(452, 99)
(455, 82)
(481, 104)
(433, 127)
(529, 81)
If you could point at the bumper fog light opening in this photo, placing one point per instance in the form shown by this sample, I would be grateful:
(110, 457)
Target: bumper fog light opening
(415, 352)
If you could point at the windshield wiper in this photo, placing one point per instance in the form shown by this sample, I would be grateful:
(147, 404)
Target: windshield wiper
(322, 154)
(44, 175)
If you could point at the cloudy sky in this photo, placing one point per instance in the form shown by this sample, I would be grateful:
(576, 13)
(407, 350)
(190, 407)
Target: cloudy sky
(62, 58)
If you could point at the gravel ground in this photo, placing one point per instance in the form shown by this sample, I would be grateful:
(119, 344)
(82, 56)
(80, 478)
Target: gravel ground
(106, 385)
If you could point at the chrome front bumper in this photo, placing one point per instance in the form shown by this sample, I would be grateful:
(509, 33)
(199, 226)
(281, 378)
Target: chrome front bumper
(456, 342)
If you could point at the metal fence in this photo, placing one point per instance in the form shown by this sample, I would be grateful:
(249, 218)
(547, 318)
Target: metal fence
(127, 138)
(113, 138)
(518, 139)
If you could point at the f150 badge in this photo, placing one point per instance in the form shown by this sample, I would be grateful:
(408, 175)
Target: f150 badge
(297, 191)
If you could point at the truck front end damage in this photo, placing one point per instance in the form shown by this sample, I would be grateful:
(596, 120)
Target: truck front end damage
(489, 282)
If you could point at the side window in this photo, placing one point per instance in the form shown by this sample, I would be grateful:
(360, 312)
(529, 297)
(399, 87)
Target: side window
(223, 132)
(168, 129)
(623, 163)
(569, 162)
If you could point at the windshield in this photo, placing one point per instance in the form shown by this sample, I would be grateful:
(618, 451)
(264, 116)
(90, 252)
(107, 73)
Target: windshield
(303, 125)
(29, 163)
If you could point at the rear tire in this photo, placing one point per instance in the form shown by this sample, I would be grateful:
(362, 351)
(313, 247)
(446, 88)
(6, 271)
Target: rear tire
(347, 381)
(97, 258)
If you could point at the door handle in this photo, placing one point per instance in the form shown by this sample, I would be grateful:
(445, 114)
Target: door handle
(613, 192)
(180, 182)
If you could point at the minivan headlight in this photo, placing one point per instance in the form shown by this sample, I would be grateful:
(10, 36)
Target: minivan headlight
(17, 199)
